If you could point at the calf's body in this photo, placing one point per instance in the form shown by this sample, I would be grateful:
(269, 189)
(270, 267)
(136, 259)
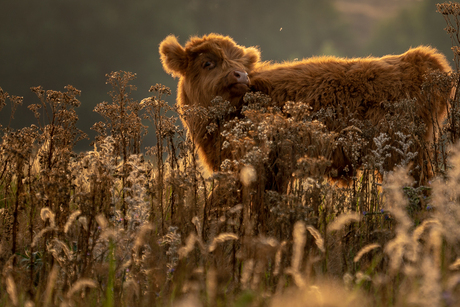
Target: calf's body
(214, 65)
(362, 85)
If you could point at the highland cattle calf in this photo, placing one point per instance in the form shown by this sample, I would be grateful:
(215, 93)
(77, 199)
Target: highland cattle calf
(358, 88)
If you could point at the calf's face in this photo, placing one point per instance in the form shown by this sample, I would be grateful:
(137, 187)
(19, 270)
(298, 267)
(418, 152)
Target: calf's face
(208, 66)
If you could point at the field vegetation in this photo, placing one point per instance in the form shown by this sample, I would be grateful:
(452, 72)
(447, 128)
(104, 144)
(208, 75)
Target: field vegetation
(124, 225)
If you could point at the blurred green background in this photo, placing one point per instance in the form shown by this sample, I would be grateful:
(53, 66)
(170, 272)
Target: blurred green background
(58, 42)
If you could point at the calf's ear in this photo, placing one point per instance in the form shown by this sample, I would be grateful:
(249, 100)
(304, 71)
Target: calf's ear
(173, 56)
(253, 56)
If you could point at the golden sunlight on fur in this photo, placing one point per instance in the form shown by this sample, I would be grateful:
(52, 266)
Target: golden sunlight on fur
(363, 89)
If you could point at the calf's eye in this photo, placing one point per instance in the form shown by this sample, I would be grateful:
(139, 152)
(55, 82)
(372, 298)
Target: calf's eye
(208, 65)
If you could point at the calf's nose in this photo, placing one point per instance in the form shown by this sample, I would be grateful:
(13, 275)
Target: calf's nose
(241, 76)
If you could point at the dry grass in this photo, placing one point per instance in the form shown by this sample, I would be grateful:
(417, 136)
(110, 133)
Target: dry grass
(124, 226)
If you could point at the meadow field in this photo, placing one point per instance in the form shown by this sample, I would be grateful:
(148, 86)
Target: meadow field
(125, 225)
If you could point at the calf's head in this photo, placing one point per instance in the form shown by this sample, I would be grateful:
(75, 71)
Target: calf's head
(208, 66)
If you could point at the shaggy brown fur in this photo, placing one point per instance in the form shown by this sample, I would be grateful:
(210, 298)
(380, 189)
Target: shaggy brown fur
(214, 65)
(360, 88)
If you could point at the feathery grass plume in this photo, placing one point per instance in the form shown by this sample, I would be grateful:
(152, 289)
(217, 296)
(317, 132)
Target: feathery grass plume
(211, 286)
(451, 283)
(413, 247)
(402, 244)
(325, 292)
(188, 247)
(365, 250)
(315, 290)
(444, 198)
(248, 175)
(79, 285)
(11, 289)
(235, 208)
(107, 232)
(435, 242)
(343, 220)
(47, 214)
(126, 265)
(8, 266)
(455, 265)
(246, 273)
(84, 222)
(132, 286)
(70, 220)
(140, 237)
(189, 300)
(50, 286)
(220, 239)
(196, 222)
(348, 280)
(278, 254)
(318, 238)
(258, 273)
(360, 277)
(29, 303)
(56, 255)
(420, 229)
(268, 242)
(40, 234)
(64, 248)
(430, 292)
(102, 221)
(299, 238)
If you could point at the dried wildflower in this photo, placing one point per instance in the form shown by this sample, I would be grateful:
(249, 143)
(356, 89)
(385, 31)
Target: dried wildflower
(173, 240)
(160, 89)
